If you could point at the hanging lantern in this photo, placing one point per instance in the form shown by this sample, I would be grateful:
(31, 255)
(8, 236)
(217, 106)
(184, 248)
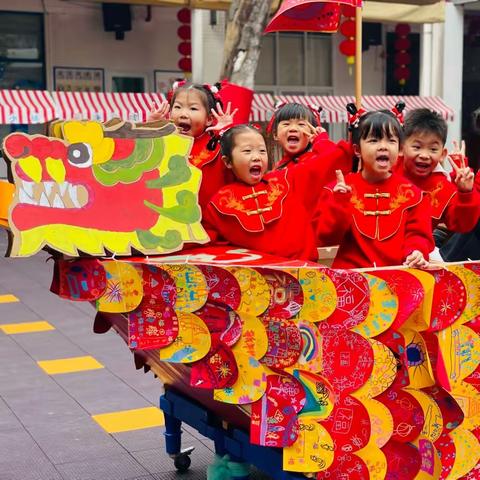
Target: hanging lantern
(402, 57)
(184, 34)
(348, 30)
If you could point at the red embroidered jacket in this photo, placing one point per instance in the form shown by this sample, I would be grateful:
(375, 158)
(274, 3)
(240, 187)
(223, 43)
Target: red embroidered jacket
(214, 173)
(378, 224)
(330, 156)
(269, 217)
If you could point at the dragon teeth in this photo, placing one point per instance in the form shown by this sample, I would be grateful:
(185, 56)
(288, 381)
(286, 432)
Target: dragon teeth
(72, 190)
(48, 186)
(44, 200)
(27, 188)
(63, 188)
(57, 202)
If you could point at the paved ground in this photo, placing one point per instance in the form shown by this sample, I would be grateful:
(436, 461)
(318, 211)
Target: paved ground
(47, 429)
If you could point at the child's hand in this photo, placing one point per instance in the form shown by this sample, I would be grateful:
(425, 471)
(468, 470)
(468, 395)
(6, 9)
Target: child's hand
(160, 113)
(224, 118)
(311, 132)
(341, 186)
(464, 176)
(416, 260)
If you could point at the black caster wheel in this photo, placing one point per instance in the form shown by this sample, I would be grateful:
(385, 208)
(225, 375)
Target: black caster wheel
(182, 462)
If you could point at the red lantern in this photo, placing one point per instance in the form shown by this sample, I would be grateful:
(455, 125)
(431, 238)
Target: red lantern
(348, 29)
(184, 33)
(402, 58)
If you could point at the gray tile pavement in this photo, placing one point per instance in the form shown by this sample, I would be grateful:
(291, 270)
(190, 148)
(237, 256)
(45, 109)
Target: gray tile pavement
(46, 429)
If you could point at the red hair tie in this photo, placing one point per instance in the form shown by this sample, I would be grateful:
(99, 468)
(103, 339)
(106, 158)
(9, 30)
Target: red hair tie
(277, 107)
(354, 116)
(397, 110)
(176, 84)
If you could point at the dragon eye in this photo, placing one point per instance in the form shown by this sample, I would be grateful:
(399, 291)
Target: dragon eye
(80, 155)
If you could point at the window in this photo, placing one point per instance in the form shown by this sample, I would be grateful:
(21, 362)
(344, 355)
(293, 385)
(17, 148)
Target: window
(22, 63)
(295, 62)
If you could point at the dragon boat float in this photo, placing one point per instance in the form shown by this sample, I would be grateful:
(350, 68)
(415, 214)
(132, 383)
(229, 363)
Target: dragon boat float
(343, 374)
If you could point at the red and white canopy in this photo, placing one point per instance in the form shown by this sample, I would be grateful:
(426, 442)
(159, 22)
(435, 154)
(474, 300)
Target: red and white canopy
(26, 106)
(103, 106)
(263, 106)
(334, 110)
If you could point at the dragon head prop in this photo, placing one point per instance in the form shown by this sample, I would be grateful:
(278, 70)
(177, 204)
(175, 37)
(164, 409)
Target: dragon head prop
(94, 188)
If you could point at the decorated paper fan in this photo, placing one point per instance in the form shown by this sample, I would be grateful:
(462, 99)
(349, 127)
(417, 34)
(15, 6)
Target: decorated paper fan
(286, 294)
(467, 452)
(313, 450)
(408, 289)
(319, 395)
(375, 461)
(79, 280)
(403, 461)
(396, 343)
(191, 287)
(284, 342)
(124, 290)
(433, 426)
(311, 355)
(468, 399)
(383, 373)
(223, 321)
(474, 474)
(192, 343)
(381, 422)
(471, 281)
(452, 414)
(406, 412)
(255, 291)
(222, 286)
(346, 462)
(431, 467)
(348, 424)
(218, 369)
(254, 339)
(274, 421)
(153, 324)
(157, 283)
(418, 362)
(447, 451)
(319, 294)
(449, 299)
(347, 360)
(353, 299)
(383, 308)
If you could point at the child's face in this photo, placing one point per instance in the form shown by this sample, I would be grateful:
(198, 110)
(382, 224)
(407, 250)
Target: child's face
(189, 113)
(249, 160)
(421, 153)
(378, 156)
(292, 136)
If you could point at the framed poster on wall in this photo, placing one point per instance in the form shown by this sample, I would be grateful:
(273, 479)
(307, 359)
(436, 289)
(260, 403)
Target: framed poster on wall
(78, 79)
(163, 79)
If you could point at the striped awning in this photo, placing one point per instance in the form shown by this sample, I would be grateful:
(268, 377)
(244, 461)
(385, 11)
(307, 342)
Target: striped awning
(26, 106)
(263, 106)
(334, 106)
(103, 106)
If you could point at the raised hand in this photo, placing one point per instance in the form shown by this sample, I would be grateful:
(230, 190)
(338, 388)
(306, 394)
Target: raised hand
(159, 112)
(416, 260)
(341, 186)
(464, 177)
(311, 132)
(224, 119)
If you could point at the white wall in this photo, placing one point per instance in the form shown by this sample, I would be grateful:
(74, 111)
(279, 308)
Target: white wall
(74, 36)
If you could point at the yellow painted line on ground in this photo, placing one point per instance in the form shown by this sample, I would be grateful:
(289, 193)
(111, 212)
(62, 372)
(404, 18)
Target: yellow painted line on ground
(26, 327)
(8, 298)
(126, 420)
(69, 365)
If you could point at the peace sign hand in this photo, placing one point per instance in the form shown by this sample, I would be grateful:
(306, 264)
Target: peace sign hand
(341, 186)
(224, 118)
(159, 112)
(311, 132)
(464, 177)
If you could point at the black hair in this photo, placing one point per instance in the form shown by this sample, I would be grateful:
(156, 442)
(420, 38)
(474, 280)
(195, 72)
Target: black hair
(208, 98)
(378, 124)
(423, 120)
(293, 110)
(227, 140)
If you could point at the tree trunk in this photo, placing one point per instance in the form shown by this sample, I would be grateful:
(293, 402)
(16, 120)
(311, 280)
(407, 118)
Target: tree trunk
(246, 21)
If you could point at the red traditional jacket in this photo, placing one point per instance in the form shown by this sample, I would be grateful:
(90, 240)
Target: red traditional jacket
(214, 173)
(379, 224)
(330, 157)
(459, 211)
(269, 217)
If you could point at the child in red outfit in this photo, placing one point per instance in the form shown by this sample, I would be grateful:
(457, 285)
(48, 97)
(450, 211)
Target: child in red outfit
(457, 203)
(379, 218)
(196, 112)
(261, 211)
(297, 131)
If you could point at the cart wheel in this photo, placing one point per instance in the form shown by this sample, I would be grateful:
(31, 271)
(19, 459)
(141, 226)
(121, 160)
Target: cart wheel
(182, 462)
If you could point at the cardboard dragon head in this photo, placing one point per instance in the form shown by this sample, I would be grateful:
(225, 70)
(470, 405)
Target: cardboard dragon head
(96, 188)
